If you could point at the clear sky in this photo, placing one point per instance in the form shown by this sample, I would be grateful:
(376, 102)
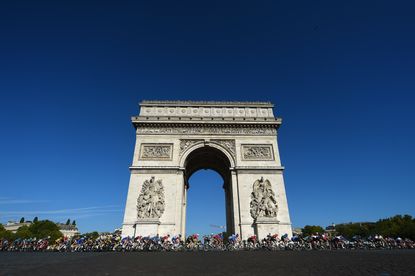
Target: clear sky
(342, 76)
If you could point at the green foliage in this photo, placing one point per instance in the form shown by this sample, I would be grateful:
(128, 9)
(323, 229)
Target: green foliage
(68, 222)
(312, 229)
(356, 229)
(44, 229)
(40, 229)
(22, 220)
(23, 232)
(397, 226)
(74, 222)
(403, 226)
(4, 234)
(36, 219)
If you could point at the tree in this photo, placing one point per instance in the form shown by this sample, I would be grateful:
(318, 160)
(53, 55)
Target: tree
(68, 222)
(5, 234)
(312, 229)
(349, 230)
(397, 226)
(24, 232)
(39, 229)
(36, 219)
(22, 220)
(74, 222)
(44, 229)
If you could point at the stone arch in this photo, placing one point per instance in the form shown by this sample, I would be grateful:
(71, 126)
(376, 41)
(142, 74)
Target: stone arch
(214, 157)
(241, 137)
(207, 143)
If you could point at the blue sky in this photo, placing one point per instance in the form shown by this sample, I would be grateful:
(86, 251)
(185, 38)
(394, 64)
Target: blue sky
(72, 74)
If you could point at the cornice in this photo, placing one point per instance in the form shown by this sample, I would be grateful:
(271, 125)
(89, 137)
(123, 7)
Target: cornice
(203, 121)
(207, 103)
(212, 124)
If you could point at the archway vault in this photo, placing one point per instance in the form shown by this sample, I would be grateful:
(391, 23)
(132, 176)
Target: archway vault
(177, 138)
(207, 158)
(207, 155)
(214, 158)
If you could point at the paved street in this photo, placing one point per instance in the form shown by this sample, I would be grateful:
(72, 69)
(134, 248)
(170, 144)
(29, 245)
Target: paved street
(400, 262)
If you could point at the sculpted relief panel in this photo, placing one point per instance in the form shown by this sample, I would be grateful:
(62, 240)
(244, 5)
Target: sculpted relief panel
(257, 152)
(156, 151)
(150, 203)
(263, 202)
(202, 130)
(229, 144)
(187, 143)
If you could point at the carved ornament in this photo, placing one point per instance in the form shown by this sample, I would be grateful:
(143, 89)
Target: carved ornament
(150, 203)
(257, 152)
(263, 202)
(156, 151)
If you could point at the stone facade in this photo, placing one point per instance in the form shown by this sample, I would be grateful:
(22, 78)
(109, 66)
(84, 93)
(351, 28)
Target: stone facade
(66, 230)
(237, 139)
(12, 226)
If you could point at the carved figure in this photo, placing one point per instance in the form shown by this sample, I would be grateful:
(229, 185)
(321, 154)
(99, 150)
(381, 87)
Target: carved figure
(263, 202)
(150, 203)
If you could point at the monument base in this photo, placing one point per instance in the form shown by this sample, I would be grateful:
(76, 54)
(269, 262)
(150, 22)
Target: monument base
(147, 227)
(265, 225)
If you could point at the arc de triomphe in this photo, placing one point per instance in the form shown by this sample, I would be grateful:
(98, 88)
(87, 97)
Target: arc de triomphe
(174, 139)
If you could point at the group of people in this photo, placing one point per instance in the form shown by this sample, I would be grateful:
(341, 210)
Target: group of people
(115, 242)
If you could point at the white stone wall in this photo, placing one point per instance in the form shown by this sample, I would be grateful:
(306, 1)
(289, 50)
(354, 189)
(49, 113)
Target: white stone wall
(173, 191)
(246, 180)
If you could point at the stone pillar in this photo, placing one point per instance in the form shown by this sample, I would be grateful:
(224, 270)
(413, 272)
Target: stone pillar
(264, 226)
(180, 216)
(148, 226)
(184, 207)
(235, 203)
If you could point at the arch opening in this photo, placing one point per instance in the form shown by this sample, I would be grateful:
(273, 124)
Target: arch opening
(210, 158)
(206, 208)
